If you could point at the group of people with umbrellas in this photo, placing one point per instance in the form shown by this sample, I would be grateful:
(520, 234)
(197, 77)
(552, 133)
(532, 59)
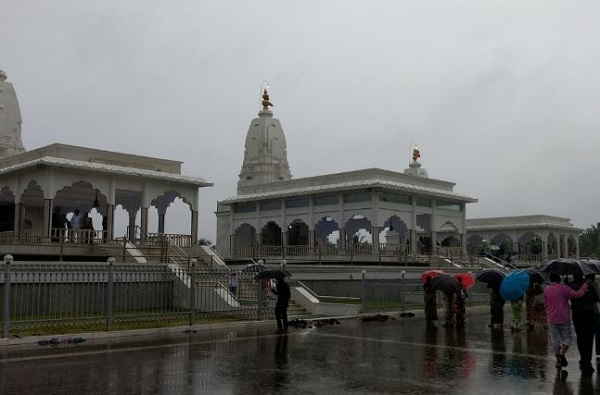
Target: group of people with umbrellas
(454, 287)
(551, 303)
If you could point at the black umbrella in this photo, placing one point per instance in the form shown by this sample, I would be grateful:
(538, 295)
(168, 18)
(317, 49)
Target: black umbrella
(273, 273)
(569, 267)
(490, 276)
(537, 276)
(445, 283)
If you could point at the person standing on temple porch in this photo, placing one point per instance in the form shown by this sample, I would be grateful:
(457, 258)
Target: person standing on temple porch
(76, 220)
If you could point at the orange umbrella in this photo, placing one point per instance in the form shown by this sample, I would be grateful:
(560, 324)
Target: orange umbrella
(466, 279)
(431, 273)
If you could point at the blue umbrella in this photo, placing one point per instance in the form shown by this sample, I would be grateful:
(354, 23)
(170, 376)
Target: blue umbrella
(514, 285)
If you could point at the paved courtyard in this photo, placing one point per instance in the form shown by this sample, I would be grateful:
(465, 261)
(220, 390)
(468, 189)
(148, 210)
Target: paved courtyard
(395, 356)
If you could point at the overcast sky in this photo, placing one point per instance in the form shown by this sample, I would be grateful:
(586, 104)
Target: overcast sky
(502, 97)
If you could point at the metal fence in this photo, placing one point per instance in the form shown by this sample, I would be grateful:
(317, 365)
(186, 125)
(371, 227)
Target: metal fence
(63, 297)
(399, 294)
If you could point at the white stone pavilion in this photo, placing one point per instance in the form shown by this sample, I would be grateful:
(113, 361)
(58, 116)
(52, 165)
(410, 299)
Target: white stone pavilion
(36, 184)
(272, 212)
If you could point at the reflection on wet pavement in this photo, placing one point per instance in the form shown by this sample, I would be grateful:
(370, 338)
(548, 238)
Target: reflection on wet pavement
(398, 356)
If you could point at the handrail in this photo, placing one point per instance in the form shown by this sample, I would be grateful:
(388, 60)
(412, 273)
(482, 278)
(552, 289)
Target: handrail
(319, 297)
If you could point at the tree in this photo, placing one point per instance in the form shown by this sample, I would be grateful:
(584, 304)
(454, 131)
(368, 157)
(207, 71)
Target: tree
(204, 242)
(589, 242)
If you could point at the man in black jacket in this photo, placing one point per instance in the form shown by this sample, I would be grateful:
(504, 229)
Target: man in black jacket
(583, 312)
(282, 290)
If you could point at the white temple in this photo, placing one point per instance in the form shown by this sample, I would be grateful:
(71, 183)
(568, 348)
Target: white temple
(10, 120)
(274, 214)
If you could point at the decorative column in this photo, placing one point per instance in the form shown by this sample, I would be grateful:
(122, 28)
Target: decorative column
(375, 231)
(161, 221)
(131, 226)
(144, 222)
(544, 249)
(110, 222)
(413, 226)
(342, 241)
(194, 231)
(47, 216)
(17, 221)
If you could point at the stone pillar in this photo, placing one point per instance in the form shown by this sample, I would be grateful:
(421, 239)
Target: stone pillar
(413, 240)
(47, 216)
(17, 221)
(544, 250)
(194, 231)
(375, 232)
(131, 227)
(21, 215)
(110, 222)
(434, 243)
(564, 246)
(463, 243)
(342, 241)
(144, 222)
(161, 223)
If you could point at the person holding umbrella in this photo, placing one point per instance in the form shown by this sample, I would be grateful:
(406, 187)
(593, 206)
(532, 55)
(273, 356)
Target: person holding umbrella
(450, 287)
(461, 297)
(496, 306)
(556, 300)
(282, 290)
(583, 313)
(493, 278)
(430, 302)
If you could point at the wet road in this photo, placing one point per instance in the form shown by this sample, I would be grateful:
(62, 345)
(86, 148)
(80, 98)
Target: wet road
(353, 357)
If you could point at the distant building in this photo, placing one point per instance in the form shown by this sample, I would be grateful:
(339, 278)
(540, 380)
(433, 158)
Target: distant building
(522, 237)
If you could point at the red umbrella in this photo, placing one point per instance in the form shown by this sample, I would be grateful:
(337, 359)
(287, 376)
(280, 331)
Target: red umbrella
(431, 273)
(467, 280)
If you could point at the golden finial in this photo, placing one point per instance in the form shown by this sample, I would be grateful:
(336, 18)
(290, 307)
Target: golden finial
(266, 103)
(416, 154)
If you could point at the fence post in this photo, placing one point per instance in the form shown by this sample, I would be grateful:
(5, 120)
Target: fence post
(363, 291)
(6, 311)
(124, 248)
(261, 299)
(402, 293)
(193, 292)
(109, 293)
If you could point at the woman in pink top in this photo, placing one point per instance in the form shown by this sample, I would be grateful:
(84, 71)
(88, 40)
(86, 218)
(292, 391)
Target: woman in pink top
(556, 300)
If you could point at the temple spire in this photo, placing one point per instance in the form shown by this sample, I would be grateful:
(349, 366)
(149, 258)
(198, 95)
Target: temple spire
(265, 154)
(10, 120)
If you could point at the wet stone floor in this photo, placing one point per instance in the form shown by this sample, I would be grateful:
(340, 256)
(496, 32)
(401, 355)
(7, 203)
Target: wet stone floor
(395, 356)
